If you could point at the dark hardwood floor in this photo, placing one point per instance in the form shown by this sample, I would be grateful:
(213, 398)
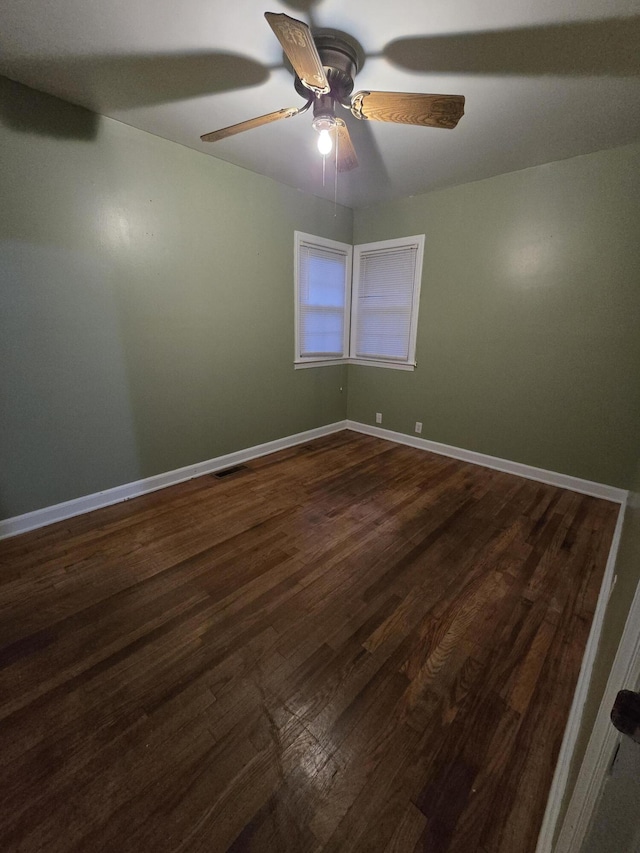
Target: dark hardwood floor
(351, 645)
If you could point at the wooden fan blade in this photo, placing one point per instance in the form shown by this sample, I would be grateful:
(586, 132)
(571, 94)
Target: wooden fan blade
(407, 108)
(347, 159)
(299, 46)
(216, 135)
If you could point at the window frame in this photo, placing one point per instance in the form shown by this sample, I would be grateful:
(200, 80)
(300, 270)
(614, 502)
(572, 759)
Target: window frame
(416, 241)
(300, 238)
(352, 276)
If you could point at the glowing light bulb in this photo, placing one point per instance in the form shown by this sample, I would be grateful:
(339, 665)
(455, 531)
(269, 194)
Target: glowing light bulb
(324, 143)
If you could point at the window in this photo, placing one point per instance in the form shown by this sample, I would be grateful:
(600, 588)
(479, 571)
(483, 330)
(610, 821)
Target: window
(323, 285)
(386, 294)
(371, 320)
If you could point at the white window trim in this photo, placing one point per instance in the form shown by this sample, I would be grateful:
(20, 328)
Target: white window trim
(302, 364)
(416, 241)
(376, 362)
(352, 276)
(365, 362)
(311, 239)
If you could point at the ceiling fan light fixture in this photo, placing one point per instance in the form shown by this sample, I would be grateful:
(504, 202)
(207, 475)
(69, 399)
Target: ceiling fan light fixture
(324, 124)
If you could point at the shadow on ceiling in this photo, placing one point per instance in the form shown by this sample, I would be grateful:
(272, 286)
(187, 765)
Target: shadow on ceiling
(605, 48)
(123, 82)
(107, 83)
(369, 157)
(304, 6)
(301, 5)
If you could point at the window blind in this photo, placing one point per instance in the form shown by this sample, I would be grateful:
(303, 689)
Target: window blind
(385, 298)
(321, 301)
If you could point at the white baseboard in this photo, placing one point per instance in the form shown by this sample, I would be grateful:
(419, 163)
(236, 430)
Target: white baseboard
(78, 506)
(552, 478)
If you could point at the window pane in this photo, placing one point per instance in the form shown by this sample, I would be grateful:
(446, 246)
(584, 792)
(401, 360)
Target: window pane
(321, 300)
(325, 281)
(385, 302)
(383, 335)
(322, 332)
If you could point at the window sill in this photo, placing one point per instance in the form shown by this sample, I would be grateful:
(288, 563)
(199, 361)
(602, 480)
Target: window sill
(321, 362)
(394, 365)
(363, 362)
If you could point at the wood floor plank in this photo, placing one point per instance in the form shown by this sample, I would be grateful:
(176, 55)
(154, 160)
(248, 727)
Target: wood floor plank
(350, 645)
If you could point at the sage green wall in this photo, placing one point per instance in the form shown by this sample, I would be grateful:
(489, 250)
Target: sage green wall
(146, 305)
(529, 331)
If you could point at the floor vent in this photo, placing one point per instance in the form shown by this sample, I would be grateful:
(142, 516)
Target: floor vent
(227, 472)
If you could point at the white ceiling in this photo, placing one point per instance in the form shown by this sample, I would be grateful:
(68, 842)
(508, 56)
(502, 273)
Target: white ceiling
(543, 80)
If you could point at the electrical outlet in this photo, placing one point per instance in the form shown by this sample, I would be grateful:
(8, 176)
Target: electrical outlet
(378, 417)
(418, 426)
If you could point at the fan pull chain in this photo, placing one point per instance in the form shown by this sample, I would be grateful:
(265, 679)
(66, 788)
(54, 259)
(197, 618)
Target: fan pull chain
(335, 181)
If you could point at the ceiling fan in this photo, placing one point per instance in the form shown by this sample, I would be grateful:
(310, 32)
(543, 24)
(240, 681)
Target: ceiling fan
(325, 64)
